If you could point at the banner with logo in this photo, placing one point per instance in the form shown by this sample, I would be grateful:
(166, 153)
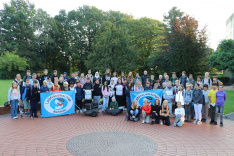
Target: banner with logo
(57, 103)
(150, 95)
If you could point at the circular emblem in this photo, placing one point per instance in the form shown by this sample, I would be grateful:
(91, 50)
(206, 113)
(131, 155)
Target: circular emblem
(149, 96)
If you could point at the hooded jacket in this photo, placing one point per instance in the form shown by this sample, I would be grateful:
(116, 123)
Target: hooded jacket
(198, 96)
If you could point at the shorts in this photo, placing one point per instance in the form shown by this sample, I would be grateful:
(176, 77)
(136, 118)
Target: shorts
(26, 104)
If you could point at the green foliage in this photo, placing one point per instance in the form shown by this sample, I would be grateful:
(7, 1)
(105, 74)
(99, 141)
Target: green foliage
(223, 57)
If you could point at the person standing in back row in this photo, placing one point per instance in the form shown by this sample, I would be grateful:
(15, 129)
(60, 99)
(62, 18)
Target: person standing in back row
(183, 79)
(207, 80)
(144, 78)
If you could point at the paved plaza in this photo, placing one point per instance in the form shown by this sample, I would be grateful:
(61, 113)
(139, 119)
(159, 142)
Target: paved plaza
(110, 135)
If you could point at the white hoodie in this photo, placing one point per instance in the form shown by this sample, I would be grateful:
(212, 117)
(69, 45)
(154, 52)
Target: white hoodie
(180, 97)
(13, 94)
(181, 112)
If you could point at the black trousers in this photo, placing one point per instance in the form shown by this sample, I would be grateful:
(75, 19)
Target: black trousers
(157, 118)
(166, 120)
(79, 103)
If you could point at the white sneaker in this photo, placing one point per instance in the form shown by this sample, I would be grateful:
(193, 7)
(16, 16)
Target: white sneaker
(81, 111)
(195, 121)
(15, 117)
(199, 122)
(21, 112)
(161, 123)
(143, 122)
(77, 111)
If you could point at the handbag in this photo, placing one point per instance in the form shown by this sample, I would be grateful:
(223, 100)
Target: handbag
(6, 104)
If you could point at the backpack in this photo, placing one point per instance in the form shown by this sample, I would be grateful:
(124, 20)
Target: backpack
(53, 87)
(208, 81)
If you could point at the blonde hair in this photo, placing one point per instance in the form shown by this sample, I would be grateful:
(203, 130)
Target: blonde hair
(132, 106)
(65, 83)
(165, 101)
(138, 82)
(182, 87)
(44, 82)
(157, 99)
(177, 81)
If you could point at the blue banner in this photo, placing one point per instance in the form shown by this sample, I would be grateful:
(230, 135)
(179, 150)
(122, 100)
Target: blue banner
(150, 95)
(57, 103)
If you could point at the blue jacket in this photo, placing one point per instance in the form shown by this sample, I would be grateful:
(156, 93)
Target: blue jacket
(26, 93)
(44, 89)
(79, 93)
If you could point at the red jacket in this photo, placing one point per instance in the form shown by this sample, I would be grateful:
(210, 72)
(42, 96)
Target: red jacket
(147, 109)
(55, 88)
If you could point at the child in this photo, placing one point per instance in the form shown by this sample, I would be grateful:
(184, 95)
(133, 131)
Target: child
(34, 77)
(221, 98)
(19, 82)
(56, 87)
(146, 111)
(198, 100)
(156, 86)
(65, 86)
(119, 92)
(144, 78)
(106, 76)
(72, 87)
(160, 79)
(27, 77)
(188, 96)
(96, 76)
(45, 76)
(88, 86)
(44, 88)
(148, 86)
(183, 79)
(216, 81)
(128, 90)
(176, 87)
(39, 78)
(134, 111)
(137, 78)
(169, 96)
(212, 99)
(112, 91)
(155, 111)
(82, 79)
(35, 98)
(13, 99)
(79, 95)
(65, 78)
(191, 80)
(130, 78)
(164, 113)
(72, 79)
(173, 78)
(115, 78)
(164, 85)
(90, 76)
(205, 107)
(122, 77)
(164, 77)
(180, 96)
(55, 76)
(199, 80)
(207, 80)
(61, 83)
(76, 75)
(179, 112)
(166, 80)
(114, 104)
(152, 81)
(49, 83)
(138, 87)
(26, 95)
(97, 92)
(106, 94)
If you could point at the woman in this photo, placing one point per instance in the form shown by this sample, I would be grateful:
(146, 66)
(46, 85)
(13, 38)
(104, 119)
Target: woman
(164, 113)
(146, 111)
(155, 111)
(134, 111)
(198, 100)
(138, 87)
(115, 78)
(106, 76)
(130, 78)
(119, 92)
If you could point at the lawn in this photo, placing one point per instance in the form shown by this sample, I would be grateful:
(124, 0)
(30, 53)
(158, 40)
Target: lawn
(5, 85)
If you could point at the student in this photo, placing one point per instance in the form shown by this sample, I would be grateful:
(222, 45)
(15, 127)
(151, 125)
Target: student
(106, 76)
(164, 77)
(179, 112)
(167, 80)
(61, 80)
(55, 76)
(65, 86)
(76, 75)
(180, 96)
(221, 98)
(96, 76)
(45, 76)
(66, 79)
(199, 80)
(34, 77)
(114, 104)
(176, 87)
(19, 82)
(49, 83)
(35, 98)
(122, 77)
(155, 111)
(130, 78)
(134, 111)
(164, 113)
(119, 93)
(183, 79)
(39, 78)
(13, 99)
(27, 77)
(207, 80)
(205, 107)
(128, 90)
(90, 76)
(44, 88)
(164, 85)
(191, 80)
(159, 84)
(72, 86)
(138, 87)
(146, 111)
(216, 81)
(188, 96)
(152, 81)
(198, 100)
(82, 79)
(169, 96)
(148, 86)
(106, 94)
(144, 77)
(72, 79)
(61, 76)
(115, 78)
(88, 86)
(56, 87)
(156, 86)
(79, 95)
(97, 92)
(173, 78)
(112, 90)
(160, 79)
(26, 95)
(212, 99)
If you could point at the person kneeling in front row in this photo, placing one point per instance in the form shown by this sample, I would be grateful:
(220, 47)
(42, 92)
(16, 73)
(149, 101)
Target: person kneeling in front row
(134, 111)
(179, 113)
(146, 111)
(164, 113)
(155, 110)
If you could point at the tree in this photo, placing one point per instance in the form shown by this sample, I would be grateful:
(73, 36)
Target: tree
(12, 62)
(223, 57)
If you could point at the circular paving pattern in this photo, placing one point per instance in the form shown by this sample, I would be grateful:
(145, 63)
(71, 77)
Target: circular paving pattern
(111, 143)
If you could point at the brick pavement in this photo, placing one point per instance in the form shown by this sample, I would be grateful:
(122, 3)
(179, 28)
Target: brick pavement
(49, 136)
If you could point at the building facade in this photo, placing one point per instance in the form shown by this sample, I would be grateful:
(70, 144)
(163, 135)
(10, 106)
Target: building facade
(230, 27)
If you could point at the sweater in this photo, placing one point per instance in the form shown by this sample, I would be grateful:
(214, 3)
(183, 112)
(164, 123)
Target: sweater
(13, 94)
(88, 86)
(148, 88)
(35, 95)
(221, 98)
(180, 111)
(127, 91)
(106, 78)
(112, 90)
(180, 97)
(168, 94)
(105, 92)
(44, 89)
(156, 109)
(97, 91)
(188, 96)
(137, 89)
(53, 77)
(26, 92)
(205, 93)
(114, 105)
(144, 78)
(198, 96)
(82, 81)
(147, 109)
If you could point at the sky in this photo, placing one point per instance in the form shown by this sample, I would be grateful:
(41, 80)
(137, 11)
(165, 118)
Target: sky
(210, 13)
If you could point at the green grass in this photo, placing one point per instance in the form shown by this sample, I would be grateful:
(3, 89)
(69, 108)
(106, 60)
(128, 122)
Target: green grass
(6, 84)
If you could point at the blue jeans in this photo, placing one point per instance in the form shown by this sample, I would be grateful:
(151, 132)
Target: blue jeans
(105, 103)
(217, 110)
(33, 110)
(134, 113)
(96, 99)
(14, 108)
(178, 122)
(170, 106)
(128, 102)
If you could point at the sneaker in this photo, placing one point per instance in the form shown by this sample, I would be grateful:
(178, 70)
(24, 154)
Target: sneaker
(152, 123)
(161, 123)
(199, 122)
(21, 112)
(77, 111)
(81, 111)
(221, 124)
(35, 116)
(15, 117)
(31, 117)
(174, 124)
(211, 122)
(215, 123)
(195, 121)
(143, 122)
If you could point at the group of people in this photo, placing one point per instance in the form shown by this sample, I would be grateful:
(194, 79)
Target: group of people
(183, 98)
